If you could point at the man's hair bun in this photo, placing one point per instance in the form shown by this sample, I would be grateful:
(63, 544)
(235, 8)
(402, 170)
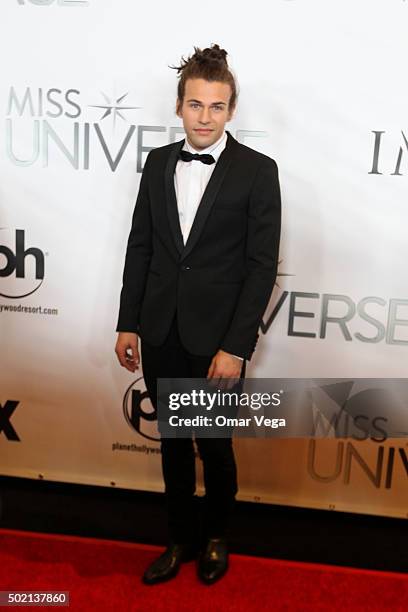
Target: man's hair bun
(210, 64)
(211, 54)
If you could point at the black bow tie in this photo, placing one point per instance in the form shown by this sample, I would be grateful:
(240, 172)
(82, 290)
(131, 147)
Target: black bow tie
(205, 157)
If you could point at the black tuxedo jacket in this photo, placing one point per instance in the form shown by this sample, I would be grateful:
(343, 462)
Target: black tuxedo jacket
(221, 280)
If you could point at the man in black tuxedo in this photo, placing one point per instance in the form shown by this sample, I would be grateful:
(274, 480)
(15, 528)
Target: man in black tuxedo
(200, 266)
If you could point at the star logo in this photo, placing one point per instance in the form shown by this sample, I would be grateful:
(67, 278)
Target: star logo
(114, 107)
(282, 274)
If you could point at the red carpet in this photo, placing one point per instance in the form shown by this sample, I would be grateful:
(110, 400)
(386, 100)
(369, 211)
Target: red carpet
(105, 575)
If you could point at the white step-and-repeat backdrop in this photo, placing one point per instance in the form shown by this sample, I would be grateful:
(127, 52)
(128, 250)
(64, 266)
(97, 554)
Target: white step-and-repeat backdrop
(85, 92)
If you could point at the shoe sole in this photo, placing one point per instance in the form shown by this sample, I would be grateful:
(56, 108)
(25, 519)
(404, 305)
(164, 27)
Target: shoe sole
(210, 581)
(151, 582)
(185, 559)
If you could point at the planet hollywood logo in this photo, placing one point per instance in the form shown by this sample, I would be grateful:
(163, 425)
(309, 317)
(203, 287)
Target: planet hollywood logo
(22, 268)
(139, 412)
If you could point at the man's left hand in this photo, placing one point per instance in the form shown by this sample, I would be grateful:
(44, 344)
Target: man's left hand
(224, 370)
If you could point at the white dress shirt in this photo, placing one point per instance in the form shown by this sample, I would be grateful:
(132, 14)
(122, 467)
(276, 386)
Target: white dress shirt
(190, 181)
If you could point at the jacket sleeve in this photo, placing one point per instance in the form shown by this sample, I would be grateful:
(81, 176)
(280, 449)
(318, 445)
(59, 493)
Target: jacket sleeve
(262, 252)
(137, 260)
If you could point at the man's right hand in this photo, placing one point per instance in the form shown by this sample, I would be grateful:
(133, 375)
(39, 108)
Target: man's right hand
(127, 350)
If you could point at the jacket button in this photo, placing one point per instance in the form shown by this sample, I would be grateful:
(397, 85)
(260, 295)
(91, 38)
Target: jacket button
(184, 268)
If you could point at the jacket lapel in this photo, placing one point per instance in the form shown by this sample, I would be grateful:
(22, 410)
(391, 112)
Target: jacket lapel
(171, 200)
(209, 195)
(207, 200)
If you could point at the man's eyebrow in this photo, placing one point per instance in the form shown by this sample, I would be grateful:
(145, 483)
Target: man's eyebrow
(212, 103)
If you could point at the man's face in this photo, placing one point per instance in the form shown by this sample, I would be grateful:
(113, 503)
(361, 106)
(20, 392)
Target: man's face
(204, 111)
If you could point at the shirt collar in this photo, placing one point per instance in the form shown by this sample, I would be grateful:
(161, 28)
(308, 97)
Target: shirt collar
(215, 149)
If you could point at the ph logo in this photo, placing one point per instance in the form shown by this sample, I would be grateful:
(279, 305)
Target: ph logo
(13, 267)
(139, 412)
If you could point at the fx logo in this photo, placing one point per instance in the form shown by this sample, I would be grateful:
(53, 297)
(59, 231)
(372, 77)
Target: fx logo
(5, 413)
(15, 262)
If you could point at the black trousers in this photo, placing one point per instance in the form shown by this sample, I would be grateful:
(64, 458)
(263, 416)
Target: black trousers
(172, 360)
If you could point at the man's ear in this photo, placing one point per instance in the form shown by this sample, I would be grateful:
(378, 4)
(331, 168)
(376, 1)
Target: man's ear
(231, 112)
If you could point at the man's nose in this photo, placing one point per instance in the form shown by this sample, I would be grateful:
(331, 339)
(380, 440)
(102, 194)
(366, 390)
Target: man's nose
(205, 115)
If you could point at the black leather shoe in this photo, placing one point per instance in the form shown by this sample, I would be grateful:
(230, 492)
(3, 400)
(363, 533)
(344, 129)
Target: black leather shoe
(213, 560)
(168, 564)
